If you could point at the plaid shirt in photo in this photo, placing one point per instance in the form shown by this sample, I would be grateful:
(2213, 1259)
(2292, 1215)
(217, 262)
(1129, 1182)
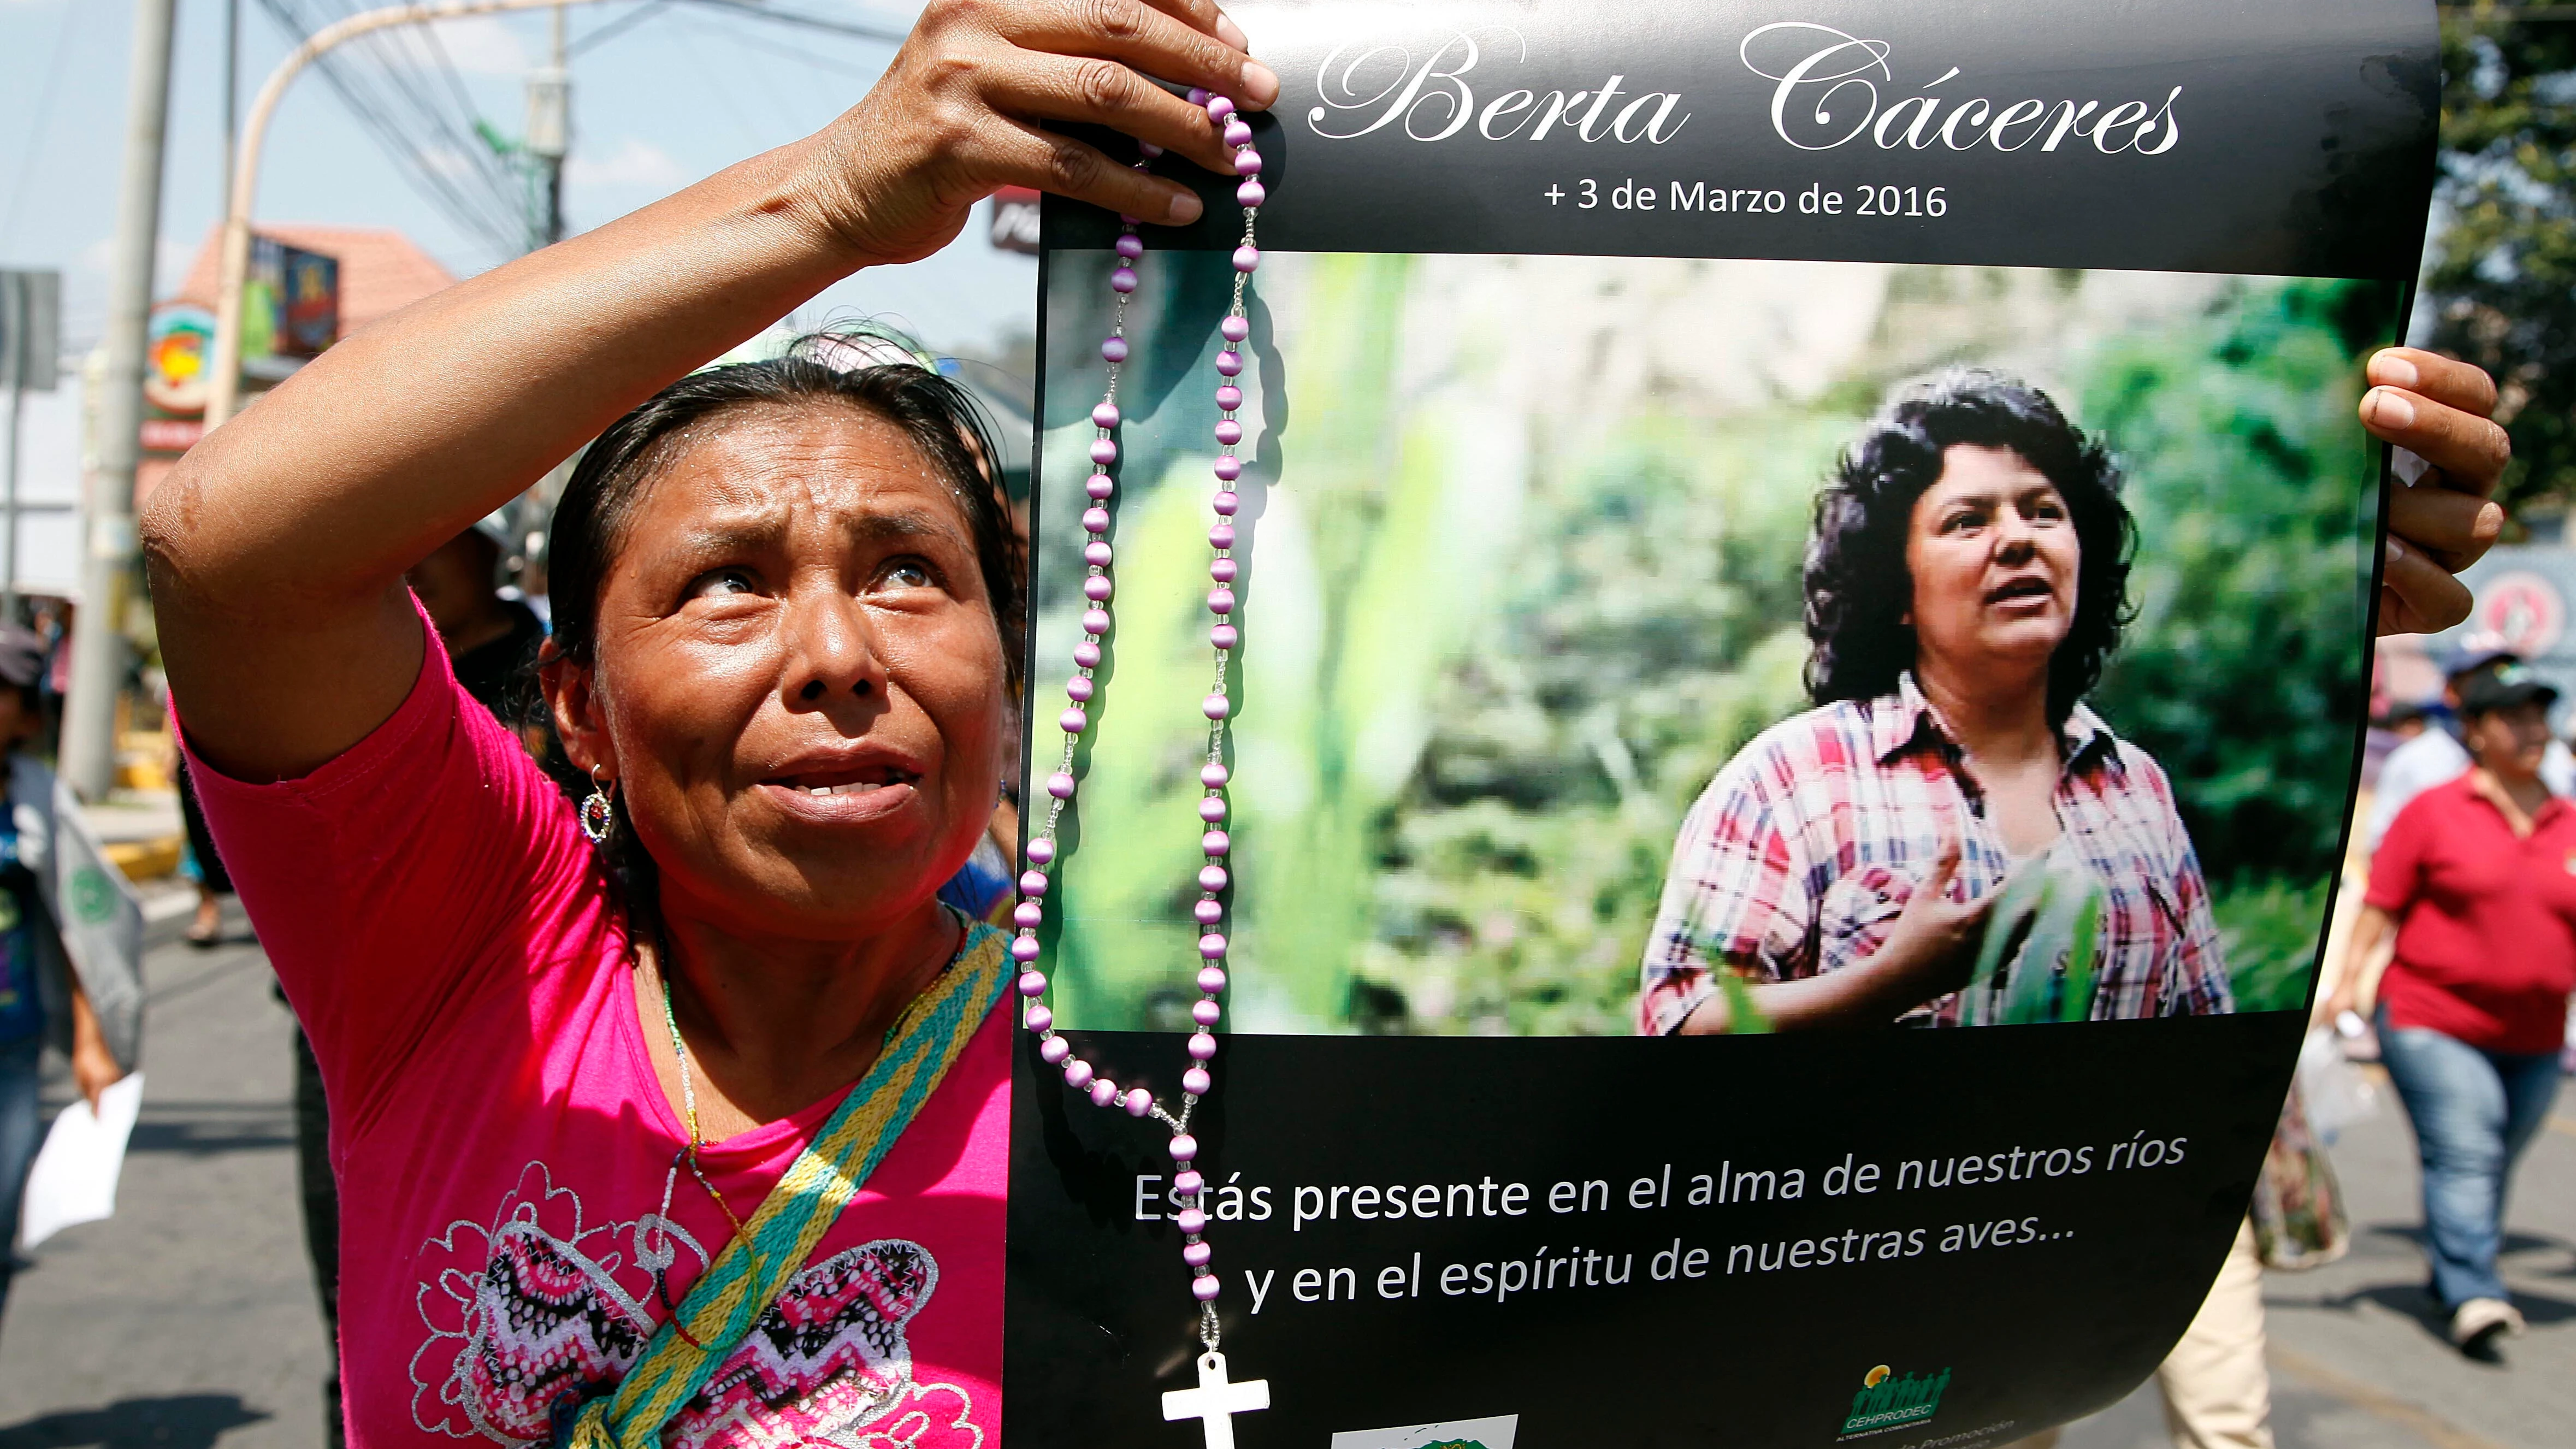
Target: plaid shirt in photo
(1799, 855)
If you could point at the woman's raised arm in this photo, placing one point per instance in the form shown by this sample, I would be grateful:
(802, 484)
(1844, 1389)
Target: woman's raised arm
(276, 548)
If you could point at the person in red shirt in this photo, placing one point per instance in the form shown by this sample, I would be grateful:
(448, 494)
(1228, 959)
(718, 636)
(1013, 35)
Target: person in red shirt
(2478, 879)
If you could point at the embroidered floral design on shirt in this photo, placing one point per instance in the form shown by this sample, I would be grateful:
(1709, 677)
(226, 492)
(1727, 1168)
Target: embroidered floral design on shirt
(939, 1416)
(534, 1311)
(827, 1359)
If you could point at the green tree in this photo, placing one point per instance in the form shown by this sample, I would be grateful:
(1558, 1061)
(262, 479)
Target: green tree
(2237, 437)
(2503, 278)
(1499, 651)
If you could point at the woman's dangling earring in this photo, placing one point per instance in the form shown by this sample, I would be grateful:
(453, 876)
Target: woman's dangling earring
(599, 812)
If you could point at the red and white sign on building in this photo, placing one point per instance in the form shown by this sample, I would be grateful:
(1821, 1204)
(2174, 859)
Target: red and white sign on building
(2522, 611)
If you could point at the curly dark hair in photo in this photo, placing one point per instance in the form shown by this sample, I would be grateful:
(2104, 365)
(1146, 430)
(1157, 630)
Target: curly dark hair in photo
(1858, 587)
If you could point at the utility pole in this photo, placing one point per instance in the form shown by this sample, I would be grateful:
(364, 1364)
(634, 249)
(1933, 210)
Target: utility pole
(31, 352)
(550, 128)
(98, 630)
(548, 140)
(232, 97)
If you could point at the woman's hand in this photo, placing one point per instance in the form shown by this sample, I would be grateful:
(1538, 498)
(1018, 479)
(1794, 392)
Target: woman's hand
(1932, 949)
(956, 114)
(94, 1067)
(2370, 930)
(1929, 952)
(2438, 410)
(93, 1072)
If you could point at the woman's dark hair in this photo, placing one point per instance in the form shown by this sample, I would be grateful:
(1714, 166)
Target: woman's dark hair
(939, 417)
(1858, 586)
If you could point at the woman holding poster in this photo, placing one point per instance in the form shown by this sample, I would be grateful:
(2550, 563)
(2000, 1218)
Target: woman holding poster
(602, 1108)
(693, 1130)
(1951, 837)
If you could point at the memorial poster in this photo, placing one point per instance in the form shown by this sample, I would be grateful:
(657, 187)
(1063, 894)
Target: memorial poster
(1669, 432)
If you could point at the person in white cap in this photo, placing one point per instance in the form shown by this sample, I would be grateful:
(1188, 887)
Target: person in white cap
(2434, 756)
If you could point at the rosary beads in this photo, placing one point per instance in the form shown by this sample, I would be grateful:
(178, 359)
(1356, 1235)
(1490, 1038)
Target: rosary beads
(1214, 843)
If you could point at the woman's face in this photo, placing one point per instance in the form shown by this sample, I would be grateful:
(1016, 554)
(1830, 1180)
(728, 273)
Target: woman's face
(1992, 553)
(2509, 742)
(798, 681)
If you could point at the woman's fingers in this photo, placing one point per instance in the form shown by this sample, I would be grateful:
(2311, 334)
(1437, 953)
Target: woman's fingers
(1049, 162)
(2470, 451)
(1106, 93)
(2429, 374)
(2455, 528)
(956, 115)
(1203, 15)
(2417, 595)
(1174, 40)
(2437, 409)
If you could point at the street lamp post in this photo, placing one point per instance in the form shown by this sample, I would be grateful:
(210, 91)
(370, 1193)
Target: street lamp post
(223, 394)
(107, 563)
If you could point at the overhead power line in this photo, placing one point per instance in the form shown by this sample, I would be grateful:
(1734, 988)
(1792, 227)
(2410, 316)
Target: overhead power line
(413, 62)
(618, 26)
(405, 89)
(745, 37)
(431, 137)
(779, 15)
(35, 150)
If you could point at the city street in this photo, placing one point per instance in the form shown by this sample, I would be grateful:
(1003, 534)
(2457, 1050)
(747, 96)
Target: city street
(1686, 554)
(188, 1320)
(2358, 1360)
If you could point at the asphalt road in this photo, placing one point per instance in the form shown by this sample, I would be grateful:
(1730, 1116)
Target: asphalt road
(188, 1320)
(2358, 1356)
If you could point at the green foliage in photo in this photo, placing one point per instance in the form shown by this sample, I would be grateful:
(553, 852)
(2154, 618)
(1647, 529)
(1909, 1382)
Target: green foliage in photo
(1495, 647)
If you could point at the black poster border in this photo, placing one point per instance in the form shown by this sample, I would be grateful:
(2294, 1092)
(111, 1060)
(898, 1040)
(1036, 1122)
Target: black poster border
(2032, 1333)
(1097, 1316)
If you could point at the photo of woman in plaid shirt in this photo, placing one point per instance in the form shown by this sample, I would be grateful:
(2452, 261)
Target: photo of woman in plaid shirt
(1966, 580)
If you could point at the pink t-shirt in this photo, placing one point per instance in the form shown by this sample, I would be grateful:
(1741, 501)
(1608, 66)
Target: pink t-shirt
(505, 1152)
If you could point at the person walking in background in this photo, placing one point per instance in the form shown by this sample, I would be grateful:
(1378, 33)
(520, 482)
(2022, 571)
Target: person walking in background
(203, 866)
(2432, 753)
(493, 640)
(2215, 1384)
(2404, 722)
(318, 1191)
(2477, 878)
(40, 996)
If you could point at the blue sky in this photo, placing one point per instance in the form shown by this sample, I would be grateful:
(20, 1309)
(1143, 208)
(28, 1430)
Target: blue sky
(681, 93)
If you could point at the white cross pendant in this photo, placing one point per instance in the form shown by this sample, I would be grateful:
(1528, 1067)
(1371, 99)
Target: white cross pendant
(1215, 1402)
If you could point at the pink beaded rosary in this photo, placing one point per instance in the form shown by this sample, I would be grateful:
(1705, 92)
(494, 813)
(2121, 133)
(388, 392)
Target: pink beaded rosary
(1216, 1399)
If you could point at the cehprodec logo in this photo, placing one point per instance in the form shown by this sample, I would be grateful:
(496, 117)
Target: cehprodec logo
(1826, 97)
(1494, 1433)
(1886, 1401)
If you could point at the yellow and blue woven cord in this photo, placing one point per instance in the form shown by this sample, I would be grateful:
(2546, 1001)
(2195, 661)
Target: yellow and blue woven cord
(745, 1279)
